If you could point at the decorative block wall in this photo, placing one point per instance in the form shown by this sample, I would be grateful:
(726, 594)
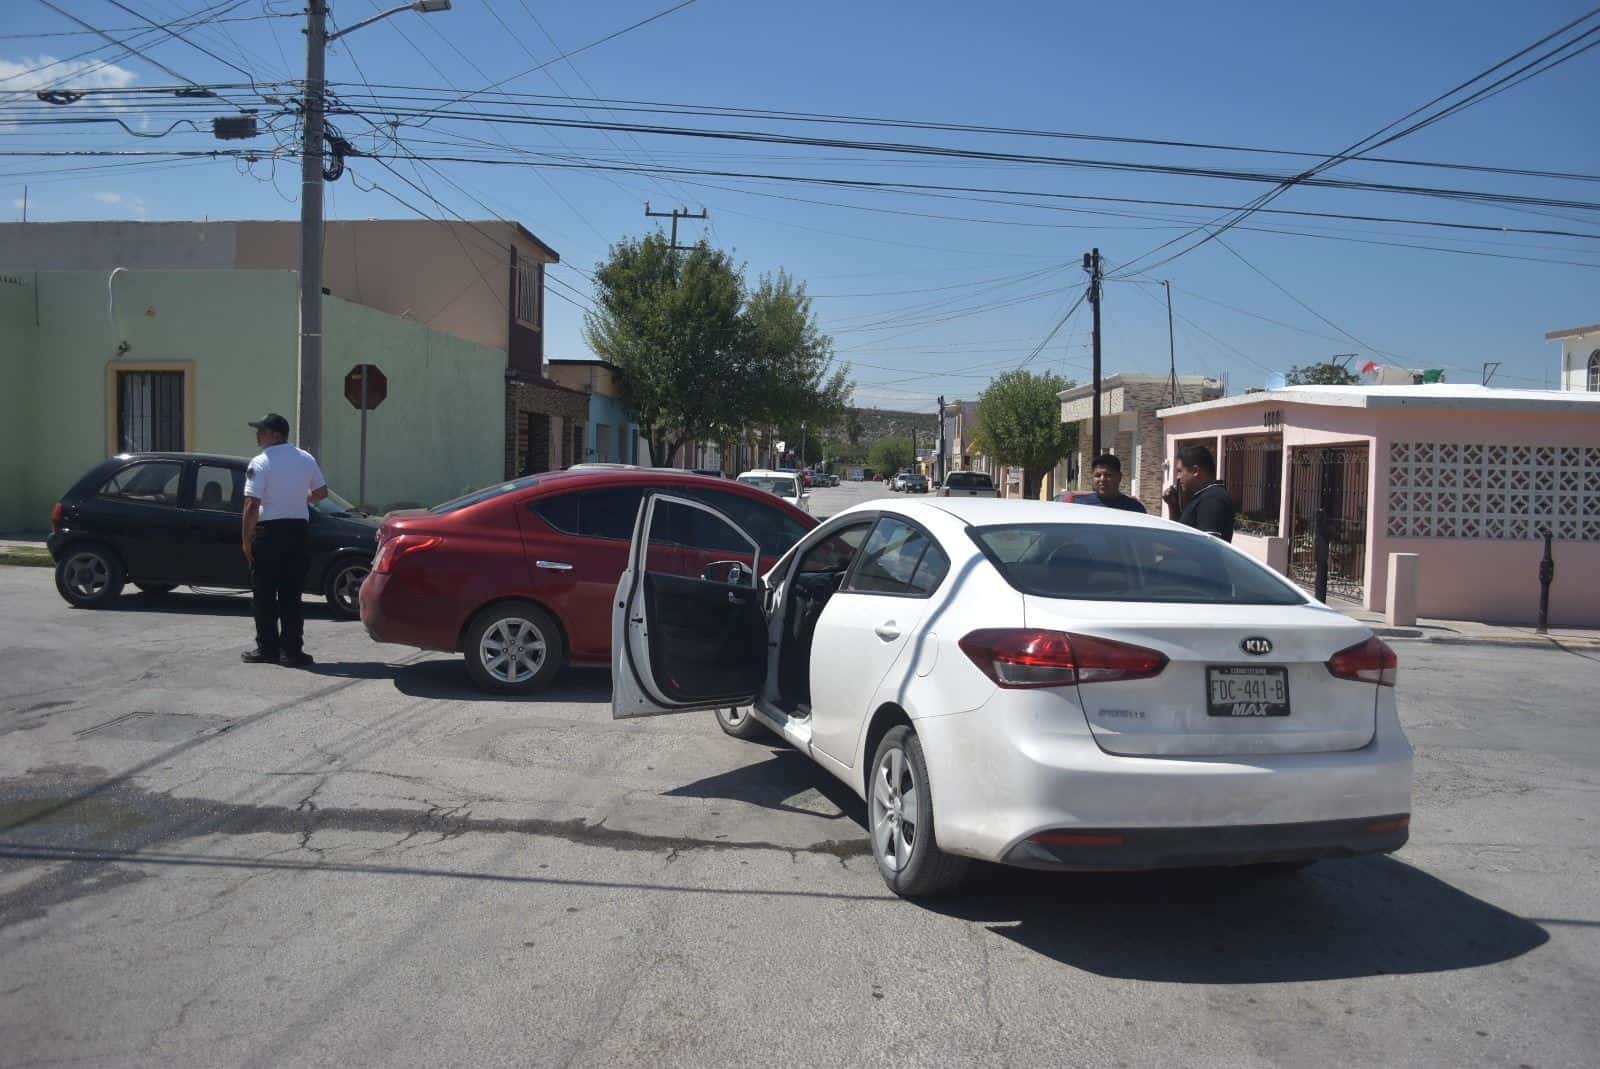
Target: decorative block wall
(1503, 492)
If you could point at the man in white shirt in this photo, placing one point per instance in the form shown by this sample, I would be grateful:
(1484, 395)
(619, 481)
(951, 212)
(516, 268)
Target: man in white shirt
(282, 482)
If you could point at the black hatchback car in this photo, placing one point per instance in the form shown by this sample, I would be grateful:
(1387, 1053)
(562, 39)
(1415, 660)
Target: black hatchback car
(162, 520)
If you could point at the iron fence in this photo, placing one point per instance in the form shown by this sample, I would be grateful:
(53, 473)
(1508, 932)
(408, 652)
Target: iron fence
(1330, 483)
(1253, 472)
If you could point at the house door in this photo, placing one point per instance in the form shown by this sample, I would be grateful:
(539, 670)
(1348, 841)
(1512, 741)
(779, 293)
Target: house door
(538, 438)
(1332, 479)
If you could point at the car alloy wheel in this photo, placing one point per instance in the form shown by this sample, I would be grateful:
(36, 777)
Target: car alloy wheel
(346, 588)
(894, 809)
(740, 724)
(86, 574)
(512, 650)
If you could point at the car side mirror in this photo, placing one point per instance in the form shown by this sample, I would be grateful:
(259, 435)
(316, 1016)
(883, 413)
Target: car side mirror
(732, 572)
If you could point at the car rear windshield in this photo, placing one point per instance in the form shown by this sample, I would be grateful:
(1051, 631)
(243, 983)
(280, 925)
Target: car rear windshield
(968, 480)
(1111, 562)
(782, 486)
(488, 492)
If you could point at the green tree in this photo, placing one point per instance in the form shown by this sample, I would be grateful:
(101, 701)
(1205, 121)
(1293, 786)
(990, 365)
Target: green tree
(1019, 424)
(790, 378)
(1326, 373)
(672, 323)
(889, 455)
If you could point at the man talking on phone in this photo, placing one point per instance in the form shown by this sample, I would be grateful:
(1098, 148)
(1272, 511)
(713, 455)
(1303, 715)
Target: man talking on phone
(1198, 498)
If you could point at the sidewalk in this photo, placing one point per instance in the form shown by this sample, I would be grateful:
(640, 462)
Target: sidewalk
(1468, 632)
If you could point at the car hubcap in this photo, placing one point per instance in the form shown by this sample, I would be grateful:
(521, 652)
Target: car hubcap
(894, 810)
(87, 575)
(512, 650)
(347, 586)
(732, 717)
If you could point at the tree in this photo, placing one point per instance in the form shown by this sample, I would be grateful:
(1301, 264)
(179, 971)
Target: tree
(889, 455)
(1019, 424)
(1326, 373)
(672, 324)
(702, 356)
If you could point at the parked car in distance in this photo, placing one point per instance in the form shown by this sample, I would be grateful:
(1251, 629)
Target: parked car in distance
(784, 484)
(968, 484)
(915, 484)
(519, 576)
(1001, 682)
(1075, 497)
(165, 520)
(897, 482)
(712, 473)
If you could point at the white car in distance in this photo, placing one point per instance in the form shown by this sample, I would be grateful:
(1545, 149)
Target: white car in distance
(1043, 687)
(785, 484)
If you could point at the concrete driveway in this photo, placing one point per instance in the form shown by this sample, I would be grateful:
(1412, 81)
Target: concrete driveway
(208, 863)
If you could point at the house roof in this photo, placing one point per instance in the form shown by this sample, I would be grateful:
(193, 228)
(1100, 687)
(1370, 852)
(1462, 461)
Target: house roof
(1573, 332)
(1131, 378)
(1433, 395)
(583, 361)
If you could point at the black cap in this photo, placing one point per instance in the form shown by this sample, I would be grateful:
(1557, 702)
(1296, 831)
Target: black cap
(272, 422)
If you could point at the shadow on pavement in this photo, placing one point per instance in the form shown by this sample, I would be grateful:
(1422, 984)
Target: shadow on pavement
(189, 604)
(447, 678)
(1336, 920)
(774, 783)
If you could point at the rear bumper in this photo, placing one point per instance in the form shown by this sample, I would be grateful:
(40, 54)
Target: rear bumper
(1239, 844)
(390, 613)
(1026, 763)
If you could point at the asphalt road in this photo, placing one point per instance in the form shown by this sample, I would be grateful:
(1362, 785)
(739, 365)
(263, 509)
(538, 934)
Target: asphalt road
(208, 863)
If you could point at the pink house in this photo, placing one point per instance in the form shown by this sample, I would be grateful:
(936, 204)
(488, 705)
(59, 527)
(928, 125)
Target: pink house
(1466, 477)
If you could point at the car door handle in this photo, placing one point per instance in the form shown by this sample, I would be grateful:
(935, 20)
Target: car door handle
(553, 565)
(735, 599)
(887, 631)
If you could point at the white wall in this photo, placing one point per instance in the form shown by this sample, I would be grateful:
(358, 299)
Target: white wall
(1575, 360)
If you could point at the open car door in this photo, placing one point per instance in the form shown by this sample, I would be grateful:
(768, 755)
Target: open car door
(687, 627)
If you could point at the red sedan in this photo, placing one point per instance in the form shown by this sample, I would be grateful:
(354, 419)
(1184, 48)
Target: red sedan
(520, 576)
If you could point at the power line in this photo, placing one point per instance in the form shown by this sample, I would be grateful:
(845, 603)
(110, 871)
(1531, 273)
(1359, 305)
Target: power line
(1277, 286)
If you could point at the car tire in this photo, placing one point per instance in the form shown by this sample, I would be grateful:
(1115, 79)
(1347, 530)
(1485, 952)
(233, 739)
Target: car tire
(89, 575)
(342, 587)
(741, 724)
(156, 590)
(898, 793)
(514, 647)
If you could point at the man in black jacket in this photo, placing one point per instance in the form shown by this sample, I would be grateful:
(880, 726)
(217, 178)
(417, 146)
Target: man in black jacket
(1205, 504)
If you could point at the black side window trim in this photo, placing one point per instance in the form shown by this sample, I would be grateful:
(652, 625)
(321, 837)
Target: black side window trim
(850, 577)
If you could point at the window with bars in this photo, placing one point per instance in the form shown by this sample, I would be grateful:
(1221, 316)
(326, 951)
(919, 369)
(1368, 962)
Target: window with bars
(150, 411)
(1253, 471)
(528, 293)
(1594, 371)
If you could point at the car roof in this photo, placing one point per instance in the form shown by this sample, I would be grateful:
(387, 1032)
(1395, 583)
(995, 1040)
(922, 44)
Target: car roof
(570, 480)
(209, 457)
(998, 512)
(769, 473)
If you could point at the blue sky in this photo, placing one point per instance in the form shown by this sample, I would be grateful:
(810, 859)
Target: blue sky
(921, 306)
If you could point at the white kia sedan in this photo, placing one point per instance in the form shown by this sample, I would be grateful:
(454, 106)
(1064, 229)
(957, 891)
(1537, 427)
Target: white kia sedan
(1023, 683)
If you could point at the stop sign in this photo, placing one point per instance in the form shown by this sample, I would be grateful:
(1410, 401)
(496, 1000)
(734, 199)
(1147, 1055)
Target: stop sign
(377, 385)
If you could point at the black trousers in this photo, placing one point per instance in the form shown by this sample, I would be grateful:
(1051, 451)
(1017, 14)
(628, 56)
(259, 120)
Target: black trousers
(276, 580)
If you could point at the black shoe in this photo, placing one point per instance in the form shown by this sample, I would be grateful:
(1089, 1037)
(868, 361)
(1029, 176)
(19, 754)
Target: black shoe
(258, 656)
(296, 660)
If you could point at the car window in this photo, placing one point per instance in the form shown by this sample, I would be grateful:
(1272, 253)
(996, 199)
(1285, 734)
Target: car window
(968, 480)
(1110, 562)
(889, 559)
(218, 488)
(781, 485)
(487, 493)
(608, 513)
(153, 482)
(772, 528)
(930, 572)
(834, 553)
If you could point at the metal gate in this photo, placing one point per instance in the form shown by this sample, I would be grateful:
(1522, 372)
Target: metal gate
(1331, 480)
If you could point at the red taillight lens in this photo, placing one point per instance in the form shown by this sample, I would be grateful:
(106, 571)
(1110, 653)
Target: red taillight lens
(58, 517)
(1372, 661)
(391, 550)
(1021, 658)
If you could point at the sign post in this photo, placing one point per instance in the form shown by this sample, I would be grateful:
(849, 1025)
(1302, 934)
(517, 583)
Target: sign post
(365, 387)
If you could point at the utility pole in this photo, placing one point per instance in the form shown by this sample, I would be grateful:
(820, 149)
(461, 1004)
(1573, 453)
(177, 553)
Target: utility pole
(941, 470)
(675, 214)
(308, 420)
(308, 417)
(1091, 264)
(1172, 352)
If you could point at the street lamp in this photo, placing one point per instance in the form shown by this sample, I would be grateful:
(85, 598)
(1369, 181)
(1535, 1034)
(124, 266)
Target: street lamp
(308, 418)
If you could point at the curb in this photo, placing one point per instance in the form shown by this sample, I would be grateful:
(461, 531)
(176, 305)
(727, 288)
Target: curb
(1515, 641)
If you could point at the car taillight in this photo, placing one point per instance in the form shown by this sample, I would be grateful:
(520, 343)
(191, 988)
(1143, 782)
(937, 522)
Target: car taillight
(390, 550)
(1019, 658)
(1372, 661)
(58, 516)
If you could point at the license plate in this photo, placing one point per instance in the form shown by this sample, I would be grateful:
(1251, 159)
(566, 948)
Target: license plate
(1247, 691)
